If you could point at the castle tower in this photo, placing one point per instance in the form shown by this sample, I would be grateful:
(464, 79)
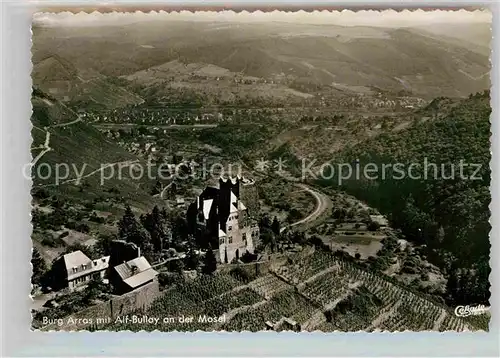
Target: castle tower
(229, 190)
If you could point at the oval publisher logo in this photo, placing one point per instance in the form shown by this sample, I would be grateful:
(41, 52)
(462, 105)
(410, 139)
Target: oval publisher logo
(465, 311)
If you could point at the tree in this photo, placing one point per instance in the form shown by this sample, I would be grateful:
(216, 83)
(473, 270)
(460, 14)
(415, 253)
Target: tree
(59, 216)
(209, 262)
(192, 260)
(129, 229)
(339, 213)
(103, 244)
(158, 227)
(265, 222)
(176, 266)
(94, 288)
(440, 235)
(267, 238)
(373, 226)
(39, 267)
(298, 237)
(275, 226)
(156, 188)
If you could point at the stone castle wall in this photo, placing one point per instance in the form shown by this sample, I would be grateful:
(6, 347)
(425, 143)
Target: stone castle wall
(104, 313)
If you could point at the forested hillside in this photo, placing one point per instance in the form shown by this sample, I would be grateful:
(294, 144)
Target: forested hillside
(439, 207)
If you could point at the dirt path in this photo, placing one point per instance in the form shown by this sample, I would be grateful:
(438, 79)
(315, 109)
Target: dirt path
(46, 145)
(79, 119)
(46, 148)
(123, 164)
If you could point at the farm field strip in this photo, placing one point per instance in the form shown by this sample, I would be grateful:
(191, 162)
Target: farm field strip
(317, 290)
(268, 285)
(400, 309)
(285, 304)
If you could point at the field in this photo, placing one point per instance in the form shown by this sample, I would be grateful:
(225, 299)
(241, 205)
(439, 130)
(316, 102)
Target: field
(315, 289)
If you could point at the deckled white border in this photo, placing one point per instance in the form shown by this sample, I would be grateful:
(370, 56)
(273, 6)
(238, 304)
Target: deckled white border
(16, 338)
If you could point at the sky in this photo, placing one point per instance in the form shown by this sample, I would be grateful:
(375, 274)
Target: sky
(387, 18)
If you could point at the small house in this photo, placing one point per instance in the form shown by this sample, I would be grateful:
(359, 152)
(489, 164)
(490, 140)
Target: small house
(76, 269)
(131, 275)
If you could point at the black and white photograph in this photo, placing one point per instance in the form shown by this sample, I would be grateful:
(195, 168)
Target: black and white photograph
(322, 171)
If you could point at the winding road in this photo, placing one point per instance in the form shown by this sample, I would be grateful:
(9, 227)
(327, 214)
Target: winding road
(323, 203)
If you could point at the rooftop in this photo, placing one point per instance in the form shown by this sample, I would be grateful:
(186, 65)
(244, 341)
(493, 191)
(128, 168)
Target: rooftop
(125, 270)
(75, 259)
(101, 263)
(78, 264)
(141, 278)
(136, 272)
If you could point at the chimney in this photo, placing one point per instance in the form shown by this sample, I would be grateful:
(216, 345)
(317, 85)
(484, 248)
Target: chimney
(138, 251)
(133, 269)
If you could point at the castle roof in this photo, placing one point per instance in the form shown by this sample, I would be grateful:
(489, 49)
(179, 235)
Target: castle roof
(234, 199)
(207, 206)
(234, 180)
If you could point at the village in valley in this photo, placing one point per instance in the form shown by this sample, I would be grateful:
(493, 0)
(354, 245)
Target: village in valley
(183, 203)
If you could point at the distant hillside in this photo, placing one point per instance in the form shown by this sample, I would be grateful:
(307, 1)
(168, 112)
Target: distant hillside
(477, 36)
(89, 88)
(334, 56)
(59, 137)
(208, 83)
(447, 212)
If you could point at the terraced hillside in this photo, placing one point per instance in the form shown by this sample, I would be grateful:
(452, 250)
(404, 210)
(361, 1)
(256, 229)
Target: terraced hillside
(315, 290)
(62, 140)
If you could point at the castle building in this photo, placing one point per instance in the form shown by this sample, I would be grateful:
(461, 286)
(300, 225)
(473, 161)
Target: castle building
(221, 219)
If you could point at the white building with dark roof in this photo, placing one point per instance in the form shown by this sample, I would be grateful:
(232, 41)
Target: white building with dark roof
(76, 269)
